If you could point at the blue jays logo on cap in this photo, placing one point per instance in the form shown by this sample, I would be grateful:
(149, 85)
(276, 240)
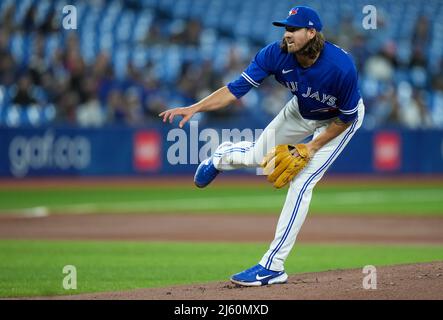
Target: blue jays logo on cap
(293, 11)
(302, 17)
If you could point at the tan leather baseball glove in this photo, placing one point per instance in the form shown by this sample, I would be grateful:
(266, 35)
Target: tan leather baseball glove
(284, 162)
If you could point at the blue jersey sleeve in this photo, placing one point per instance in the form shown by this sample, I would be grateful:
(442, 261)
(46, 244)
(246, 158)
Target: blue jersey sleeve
(349, 97)
(260, 67)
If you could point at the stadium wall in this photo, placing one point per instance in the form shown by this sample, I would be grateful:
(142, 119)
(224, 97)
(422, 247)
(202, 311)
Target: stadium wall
(163, 150)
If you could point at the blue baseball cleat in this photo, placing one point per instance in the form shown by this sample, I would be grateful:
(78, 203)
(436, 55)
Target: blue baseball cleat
(205, 173)
(259, 276)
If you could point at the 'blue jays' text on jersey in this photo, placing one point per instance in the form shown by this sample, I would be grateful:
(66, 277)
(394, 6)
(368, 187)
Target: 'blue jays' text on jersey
(324, 90)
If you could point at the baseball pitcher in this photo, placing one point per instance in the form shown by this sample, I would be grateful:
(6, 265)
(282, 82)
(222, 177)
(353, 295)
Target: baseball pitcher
(326, 105)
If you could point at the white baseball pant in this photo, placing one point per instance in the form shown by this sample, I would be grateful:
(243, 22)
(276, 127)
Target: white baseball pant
(288, 127)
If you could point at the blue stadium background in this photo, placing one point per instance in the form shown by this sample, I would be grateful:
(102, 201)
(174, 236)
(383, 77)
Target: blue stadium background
(127, 61)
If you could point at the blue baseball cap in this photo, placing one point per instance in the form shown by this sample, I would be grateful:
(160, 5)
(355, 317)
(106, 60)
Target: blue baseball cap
(302, 17)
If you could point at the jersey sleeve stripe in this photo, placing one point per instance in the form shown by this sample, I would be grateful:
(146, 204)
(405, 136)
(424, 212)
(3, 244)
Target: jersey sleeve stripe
(349, 111)
(249, 79)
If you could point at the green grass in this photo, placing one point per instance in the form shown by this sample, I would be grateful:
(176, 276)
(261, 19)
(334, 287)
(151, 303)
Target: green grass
(263, 199)
(35, 267)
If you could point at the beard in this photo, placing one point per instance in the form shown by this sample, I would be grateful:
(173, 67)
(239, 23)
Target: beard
(302, 51)
(310, 49)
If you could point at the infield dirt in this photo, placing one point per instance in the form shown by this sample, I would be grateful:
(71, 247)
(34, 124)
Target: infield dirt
(199, 227)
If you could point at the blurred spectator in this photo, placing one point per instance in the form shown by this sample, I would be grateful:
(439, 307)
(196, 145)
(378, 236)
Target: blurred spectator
(420, 35)
(436, 101)
(189, 82)
(359, 50)
(67, 105)
(7, 20)
(132, 4)
(90, 112)
(209, 79)
(8, 67)
(116, 108)
(413, 112)
(418, 58)
(235, 63)
(345, 33)
(50, 23)
(134, 110)
(153, 35)
(382, 65)
(29, 23)
(275, 99)
(155, 105)
(154, 99)
(24, 95)
(125, 108)
(189, 34)
(37, 63)
(41, 63)
(384, 109)
(437, 83)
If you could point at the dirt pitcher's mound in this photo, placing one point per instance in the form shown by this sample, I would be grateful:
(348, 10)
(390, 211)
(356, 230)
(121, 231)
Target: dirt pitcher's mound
(412, 281)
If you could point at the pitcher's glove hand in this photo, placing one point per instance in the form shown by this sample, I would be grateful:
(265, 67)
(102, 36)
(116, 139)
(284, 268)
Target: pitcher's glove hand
(284, 162)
